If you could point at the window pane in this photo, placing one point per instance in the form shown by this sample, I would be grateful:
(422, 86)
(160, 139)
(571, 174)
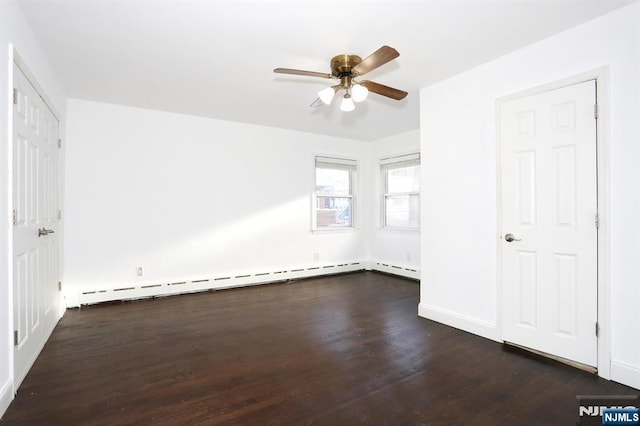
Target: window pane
(333, 192)
(403, 179)
(333, 211)
(402, 211)
(333, 182)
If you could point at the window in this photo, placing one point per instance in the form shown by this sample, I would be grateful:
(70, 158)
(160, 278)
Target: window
(400, 178)
(334, 193)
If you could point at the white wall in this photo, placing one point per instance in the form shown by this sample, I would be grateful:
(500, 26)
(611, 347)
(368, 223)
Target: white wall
(459, 225)
(15, 31)
(189, 198)
(399, 248)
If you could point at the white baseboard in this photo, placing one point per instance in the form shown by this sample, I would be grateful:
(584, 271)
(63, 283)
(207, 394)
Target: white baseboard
(462, 322)
(88, 296)
(6, 396)
(625, 374)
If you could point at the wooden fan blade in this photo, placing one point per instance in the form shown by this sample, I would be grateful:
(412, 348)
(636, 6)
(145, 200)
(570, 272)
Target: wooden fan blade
(376, 59)
(383, 90)
(301, 72)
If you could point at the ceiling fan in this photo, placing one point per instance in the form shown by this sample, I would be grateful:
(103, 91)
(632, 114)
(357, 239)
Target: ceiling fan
(347, 68)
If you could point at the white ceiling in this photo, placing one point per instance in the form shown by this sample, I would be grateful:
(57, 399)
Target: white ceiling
(215, 58)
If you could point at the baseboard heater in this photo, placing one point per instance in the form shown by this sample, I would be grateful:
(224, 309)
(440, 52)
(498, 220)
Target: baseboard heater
(89, 297)
(396, 270)
(141, 291)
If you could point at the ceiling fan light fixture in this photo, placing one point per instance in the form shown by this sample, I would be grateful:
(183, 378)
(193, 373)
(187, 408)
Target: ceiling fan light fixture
(359, 93)
(326, 95)
(346, 68)
(347, 103)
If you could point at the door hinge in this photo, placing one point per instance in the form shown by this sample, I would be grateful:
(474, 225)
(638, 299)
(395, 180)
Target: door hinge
(597, 220)
(59, 285)
(597, 329)
(15, 96)
(15, 338)
(595, 111)
(59, 143)
(15, 217)
(59, 214)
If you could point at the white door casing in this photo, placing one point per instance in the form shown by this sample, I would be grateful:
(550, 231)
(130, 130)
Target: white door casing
(549, 203)
(35, 211)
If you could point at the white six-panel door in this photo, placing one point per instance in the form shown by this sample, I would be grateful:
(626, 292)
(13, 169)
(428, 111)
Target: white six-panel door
(35, 211)
(548, 205)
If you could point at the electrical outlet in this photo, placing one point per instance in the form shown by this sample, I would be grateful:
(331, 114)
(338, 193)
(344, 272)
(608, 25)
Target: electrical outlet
(139, 271)
(408, 257)
(316, 256)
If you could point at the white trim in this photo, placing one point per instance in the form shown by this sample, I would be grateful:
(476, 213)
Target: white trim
(17, 59)
(626, 374)
(603, 146)
(12, 388)
(601, 76)
(462, 322)
(399, 230)
(6, 396)
(334, 230)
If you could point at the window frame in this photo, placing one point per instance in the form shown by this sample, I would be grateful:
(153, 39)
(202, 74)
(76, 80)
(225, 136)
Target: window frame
(391, 163)
(339, 163)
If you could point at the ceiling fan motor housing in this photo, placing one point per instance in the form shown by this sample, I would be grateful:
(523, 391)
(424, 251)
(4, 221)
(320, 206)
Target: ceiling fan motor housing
(341, 65)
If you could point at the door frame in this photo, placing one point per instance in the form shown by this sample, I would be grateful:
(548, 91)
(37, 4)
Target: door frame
(603, 179)
(16, 58)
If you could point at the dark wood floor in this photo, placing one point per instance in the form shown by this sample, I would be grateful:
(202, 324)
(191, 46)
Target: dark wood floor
(338, 350)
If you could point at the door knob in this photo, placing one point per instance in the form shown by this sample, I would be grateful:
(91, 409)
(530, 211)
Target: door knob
(509, 238)
(43, 231)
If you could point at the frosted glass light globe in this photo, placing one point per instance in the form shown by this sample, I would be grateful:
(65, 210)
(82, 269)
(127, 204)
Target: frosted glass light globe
(347, 104)
(326, 95)
(359, 93)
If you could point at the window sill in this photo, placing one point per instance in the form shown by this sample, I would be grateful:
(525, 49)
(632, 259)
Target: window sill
(333, 230)
(392, 230)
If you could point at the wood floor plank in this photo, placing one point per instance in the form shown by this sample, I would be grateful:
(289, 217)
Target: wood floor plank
(345, 349)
